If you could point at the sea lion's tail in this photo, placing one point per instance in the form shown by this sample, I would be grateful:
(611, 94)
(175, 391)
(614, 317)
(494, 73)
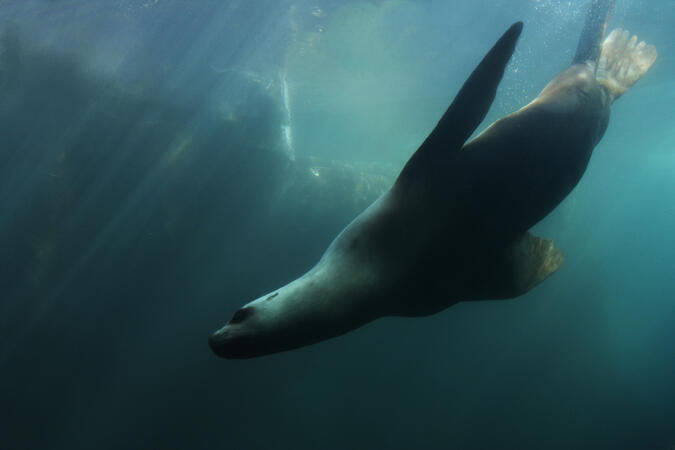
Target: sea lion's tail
(622, 62)
(593, 33)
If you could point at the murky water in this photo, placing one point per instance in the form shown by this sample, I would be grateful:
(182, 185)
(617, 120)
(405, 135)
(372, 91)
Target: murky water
(164, 162)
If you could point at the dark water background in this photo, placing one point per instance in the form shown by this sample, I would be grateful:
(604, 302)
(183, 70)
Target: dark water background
(146, 193)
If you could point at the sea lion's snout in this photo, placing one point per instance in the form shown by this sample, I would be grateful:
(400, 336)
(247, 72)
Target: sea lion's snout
(227, 344)
(218, 343)
(224, 341)
(237, 339)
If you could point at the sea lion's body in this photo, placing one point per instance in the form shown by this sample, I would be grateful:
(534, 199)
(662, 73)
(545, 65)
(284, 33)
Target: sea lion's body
(521, 167)
(454, 225)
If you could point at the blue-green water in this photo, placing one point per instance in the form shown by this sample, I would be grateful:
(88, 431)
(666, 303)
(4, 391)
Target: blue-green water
(147, 190)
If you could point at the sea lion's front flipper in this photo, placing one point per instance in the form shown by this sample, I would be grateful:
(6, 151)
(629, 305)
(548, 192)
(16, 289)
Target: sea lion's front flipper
(469, 107)
(521, 266)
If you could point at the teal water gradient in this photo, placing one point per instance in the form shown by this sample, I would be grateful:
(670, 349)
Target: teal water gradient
(145, 196)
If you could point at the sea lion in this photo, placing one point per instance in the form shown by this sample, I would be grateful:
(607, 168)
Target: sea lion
(453, 227)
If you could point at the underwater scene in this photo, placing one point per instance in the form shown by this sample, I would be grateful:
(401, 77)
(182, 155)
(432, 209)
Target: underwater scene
(173, 176)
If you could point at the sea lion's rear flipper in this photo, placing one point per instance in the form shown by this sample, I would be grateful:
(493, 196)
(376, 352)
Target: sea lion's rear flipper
(469, 107)
(618, 61)
(622, 62)
(590, 41)
(521, 266)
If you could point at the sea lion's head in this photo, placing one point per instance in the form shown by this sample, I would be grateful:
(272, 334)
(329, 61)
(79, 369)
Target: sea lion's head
(329, 300)
(256, 329)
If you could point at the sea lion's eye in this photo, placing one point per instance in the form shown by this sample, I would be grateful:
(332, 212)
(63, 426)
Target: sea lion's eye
(241, 315)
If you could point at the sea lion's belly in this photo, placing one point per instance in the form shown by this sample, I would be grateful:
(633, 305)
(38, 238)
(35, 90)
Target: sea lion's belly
(520, 168)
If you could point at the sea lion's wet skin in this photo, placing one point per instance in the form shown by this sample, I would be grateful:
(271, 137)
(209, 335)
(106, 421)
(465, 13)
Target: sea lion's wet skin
(454, 225)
